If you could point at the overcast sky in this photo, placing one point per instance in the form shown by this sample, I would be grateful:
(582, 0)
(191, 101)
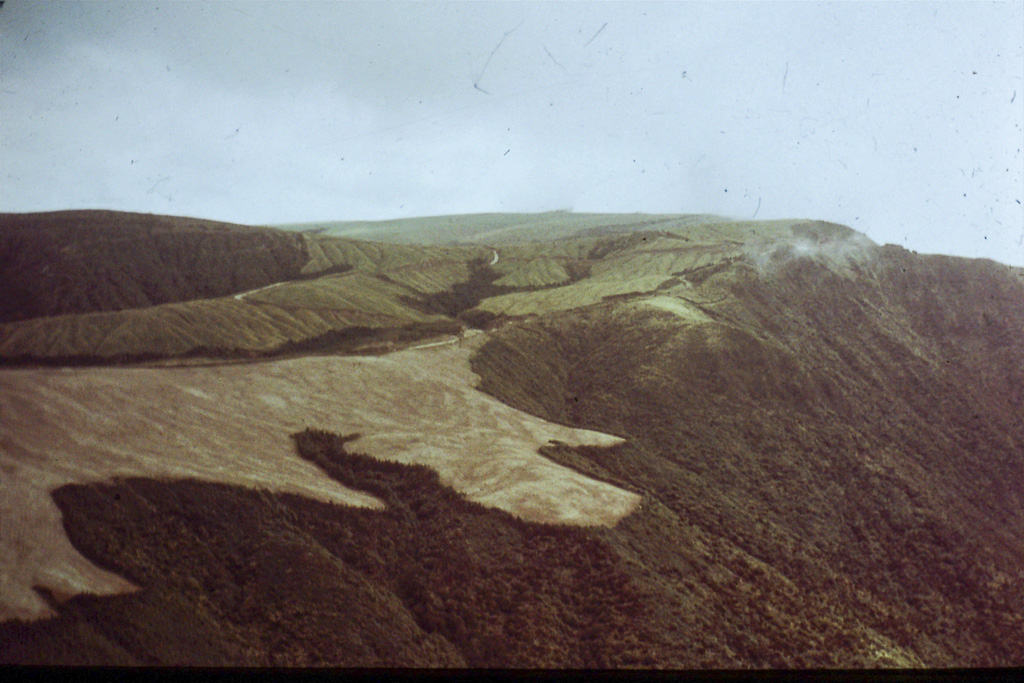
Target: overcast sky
(903, 120)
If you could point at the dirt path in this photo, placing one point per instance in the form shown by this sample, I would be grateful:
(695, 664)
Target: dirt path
(241, 295)
(231, 423)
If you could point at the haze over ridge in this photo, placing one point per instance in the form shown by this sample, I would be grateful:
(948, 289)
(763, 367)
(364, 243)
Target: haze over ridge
(903, 120)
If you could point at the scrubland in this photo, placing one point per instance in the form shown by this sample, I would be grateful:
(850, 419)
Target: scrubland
(659, 441)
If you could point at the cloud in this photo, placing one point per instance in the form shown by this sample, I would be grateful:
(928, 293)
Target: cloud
(895, 119)
(815, 241)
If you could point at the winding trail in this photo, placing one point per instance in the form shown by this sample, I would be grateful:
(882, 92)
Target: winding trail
(241, 295)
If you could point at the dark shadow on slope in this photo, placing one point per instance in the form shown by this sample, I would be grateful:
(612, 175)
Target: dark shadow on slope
(356, 340)
(830, 479)
(460, 300)
(618, 241)
(463, 296)
(84, 261)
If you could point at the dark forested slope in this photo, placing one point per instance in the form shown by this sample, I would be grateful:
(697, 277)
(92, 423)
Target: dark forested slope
(852, 440)
(231, 576)
(83, 261)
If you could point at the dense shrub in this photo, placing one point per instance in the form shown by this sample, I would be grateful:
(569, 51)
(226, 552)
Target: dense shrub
(820, 477)
(83, 261)
(240, 577)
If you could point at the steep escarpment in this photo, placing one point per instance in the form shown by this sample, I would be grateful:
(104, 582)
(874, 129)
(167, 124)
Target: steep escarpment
(846, 432)
(86, 261)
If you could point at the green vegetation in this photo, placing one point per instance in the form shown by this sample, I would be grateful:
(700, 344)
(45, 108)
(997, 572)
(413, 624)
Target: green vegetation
(831, 467)
(101, 286)
(347, 340)
(461, 300)
(492, 228)
(516, 228)
(135, 286)
(84, 261)
(239, 577)
(826, 435)
(255, 327)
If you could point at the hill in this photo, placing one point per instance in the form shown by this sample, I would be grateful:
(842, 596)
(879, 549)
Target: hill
(369, 293)
(814, 446)
(823, 434)
(83, 261)
(230, 423)
(516, 228)
(99, 286)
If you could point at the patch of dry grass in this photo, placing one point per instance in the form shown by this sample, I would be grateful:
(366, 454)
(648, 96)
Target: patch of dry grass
(230, 423)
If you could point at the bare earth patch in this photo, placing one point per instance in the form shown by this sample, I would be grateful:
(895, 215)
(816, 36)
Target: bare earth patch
(232, 423)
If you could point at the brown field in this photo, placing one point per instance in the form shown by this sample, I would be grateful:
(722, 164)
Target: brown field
(231, 423)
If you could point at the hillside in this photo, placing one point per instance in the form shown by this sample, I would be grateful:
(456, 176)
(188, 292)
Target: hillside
(83, 261)
(807, 449)
(516, 228)
(341, 285)
(231, 422)
(815, 444)
(99, 287)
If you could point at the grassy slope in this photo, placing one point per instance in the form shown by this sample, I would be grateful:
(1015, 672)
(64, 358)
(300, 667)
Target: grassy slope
(342, 284)
(289, 313)
(330, 284)
(503, 229)
(353, 283)
(492, 228)
(635, 264)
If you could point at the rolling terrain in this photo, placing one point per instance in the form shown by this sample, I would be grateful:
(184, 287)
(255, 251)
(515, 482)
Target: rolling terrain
(82, 261)
(512, 440)
(231, 423)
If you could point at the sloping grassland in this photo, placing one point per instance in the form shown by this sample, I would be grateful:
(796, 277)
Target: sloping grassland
(505, 229)
(262, 321)
(230, 423)
(232, 576)
(137, 287)
(245, 307)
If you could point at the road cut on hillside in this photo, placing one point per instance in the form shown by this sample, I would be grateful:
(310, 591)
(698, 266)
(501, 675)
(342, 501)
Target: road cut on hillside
(232, 423)
(241, 295)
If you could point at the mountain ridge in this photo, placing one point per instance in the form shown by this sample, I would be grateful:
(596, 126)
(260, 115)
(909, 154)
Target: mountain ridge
(824, 435)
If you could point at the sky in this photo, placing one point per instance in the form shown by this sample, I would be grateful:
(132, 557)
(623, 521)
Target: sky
(902, 120)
